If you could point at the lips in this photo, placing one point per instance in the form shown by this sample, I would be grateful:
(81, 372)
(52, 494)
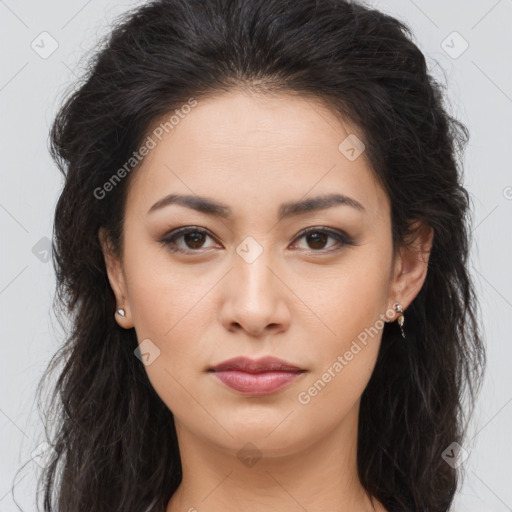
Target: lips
(256, 377)
(264, 364)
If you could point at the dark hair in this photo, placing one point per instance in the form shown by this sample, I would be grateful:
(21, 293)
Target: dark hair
(115, 443)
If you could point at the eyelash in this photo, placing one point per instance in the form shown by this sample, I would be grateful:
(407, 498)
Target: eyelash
(341, 237)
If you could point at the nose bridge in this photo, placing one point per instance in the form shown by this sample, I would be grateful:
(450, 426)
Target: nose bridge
(252, 263)
(255, 295)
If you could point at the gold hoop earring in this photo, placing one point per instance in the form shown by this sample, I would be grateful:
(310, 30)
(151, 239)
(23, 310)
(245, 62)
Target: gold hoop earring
(401, 318)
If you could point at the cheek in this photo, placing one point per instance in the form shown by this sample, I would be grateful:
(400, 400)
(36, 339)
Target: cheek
(169, 308)
(165, 315)
(352, 309)
(176, 323)
(350, 300)
(343, 363)
(162, 296)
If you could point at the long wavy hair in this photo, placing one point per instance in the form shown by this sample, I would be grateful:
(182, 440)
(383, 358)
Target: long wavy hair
(114, 445)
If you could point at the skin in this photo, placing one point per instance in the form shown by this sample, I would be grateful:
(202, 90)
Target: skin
(300, 300)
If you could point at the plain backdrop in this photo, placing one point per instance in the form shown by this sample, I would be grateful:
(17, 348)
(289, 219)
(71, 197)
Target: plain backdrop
(44, 46)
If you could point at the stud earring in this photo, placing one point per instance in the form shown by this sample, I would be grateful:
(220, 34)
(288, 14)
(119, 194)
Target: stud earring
(401, 318)
(120, 312)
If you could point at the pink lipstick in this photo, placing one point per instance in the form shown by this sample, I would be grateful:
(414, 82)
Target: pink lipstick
(256, 377)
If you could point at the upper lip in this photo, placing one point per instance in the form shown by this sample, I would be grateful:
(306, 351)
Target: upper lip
(264, 364)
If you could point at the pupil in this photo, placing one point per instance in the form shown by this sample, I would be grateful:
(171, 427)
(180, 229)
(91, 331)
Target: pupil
(317, 238)
(196, 238)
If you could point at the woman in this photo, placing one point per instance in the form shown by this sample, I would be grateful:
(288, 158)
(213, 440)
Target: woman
(262, 240)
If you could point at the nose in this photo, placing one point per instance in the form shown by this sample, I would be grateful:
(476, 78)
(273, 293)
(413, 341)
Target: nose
(256, 298)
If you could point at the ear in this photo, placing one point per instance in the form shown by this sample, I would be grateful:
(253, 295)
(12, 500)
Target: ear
(116, 278)
(410, 269)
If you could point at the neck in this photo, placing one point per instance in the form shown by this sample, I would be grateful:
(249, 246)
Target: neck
(322, 476)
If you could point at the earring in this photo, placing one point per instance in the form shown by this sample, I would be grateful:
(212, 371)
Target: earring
(401, 318)
(120, 312)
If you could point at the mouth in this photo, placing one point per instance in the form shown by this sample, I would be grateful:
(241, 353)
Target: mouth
(256, 377)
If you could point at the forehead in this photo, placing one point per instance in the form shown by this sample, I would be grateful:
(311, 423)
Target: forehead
(253, 150)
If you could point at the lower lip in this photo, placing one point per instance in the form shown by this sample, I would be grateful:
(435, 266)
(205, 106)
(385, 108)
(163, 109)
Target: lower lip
(256, 383)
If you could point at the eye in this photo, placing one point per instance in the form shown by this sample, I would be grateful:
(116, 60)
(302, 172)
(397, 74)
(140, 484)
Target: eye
(193, 238)
(316, 238)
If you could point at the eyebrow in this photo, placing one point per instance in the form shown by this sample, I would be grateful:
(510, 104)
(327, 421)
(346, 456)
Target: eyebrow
(211, 207)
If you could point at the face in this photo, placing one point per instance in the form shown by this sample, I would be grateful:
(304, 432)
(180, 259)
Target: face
(254, 276)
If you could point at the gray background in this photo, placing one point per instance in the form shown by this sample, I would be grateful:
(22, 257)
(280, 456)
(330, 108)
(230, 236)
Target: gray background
(32, 84)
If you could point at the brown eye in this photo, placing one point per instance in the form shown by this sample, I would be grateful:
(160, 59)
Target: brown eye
(317, 239)
(192, 239)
